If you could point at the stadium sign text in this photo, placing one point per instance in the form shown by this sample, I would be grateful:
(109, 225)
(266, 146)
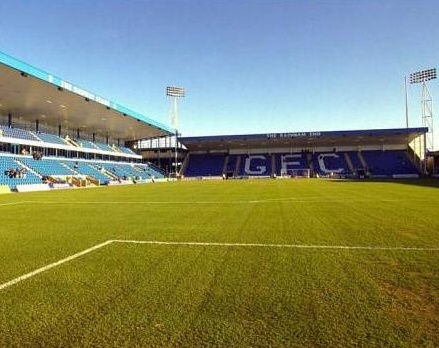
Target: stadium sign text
(293, 135)
(86, 94)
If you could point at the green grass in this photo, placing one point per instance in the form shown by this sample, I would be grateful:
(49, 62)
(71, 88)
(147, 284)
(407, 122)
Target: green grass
(140, 295)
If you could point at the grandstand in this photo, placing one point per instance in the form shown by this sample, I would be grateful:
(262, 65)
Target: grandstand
(390, 153)
(56, 134)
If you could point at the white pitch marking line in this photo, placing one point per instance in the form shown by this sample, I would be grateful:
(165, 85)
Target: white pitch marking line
(52, 265)
(12, 203)
(295, 246)
(291, 246)
(268, 200)
(155, 202)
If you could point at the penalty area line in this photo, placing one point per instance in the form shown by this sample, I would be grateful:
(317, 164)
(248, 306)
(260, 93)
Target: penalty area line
(291, 246)
(213, 244)
(52, 265)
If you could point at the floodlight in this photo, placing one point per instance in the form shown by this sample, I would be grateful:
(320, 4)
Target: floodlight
(422, 76)
(176, 92)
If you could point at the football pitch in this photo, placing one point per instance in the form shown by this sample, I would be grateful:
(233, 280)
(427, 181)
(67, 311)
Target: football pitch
(244, 263)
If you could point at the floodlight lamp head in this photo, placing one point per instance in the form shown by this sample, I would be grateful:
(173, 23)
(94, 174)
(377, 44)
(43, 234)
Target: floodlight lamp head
(423, 76)
(176, 92)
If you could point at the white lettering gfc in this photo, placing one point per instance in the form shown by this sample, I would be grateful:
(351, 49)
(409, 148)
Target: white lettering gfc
(322, 165)
(255, 170)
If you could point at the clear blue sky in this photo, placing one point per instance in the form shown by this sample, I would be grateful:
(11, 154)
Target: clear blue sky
(249, 66)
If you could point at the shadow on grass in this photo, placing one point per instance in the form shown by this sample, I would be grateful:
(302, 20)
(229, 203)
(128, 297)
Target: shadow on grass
(425, 182)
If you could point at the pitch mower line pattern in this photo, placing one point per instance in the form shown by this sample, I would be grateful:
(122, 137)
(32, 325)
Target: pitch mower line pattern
(208, 244)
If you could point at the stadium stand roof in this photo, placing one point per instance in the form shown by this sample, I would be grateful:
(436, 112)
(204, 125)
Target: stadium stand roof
(30, 93)
(305, 140)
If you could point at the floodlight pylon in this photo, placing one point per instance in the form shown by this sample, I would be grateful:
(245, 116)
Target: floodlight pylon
(175, 93)
(426, 102)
